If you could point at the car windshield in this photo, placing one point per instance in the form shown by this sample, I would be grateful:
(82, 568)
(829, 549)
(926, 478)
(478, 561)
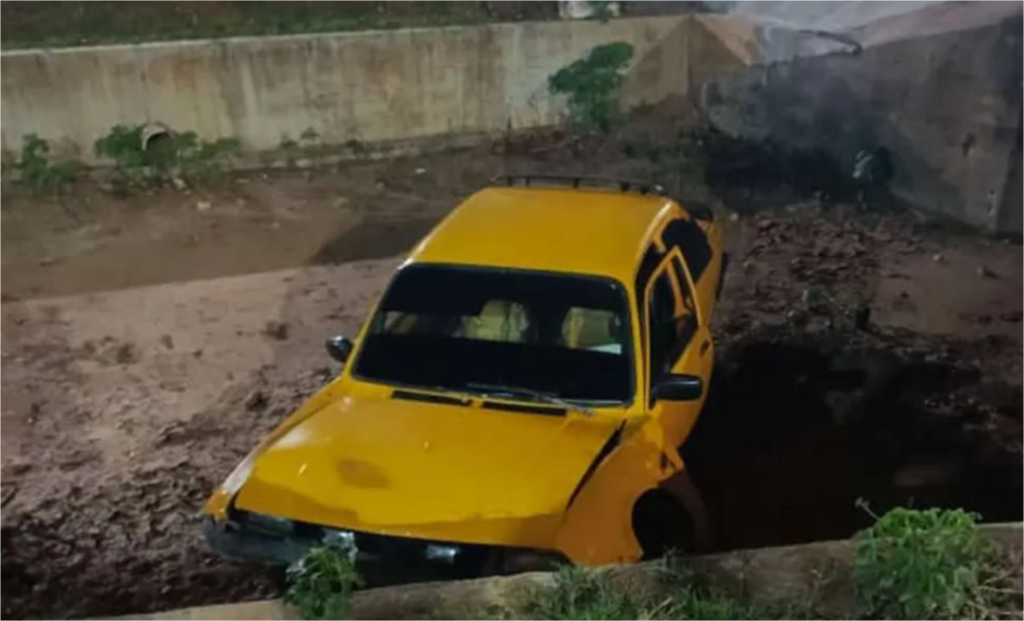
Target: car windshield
(510, 333)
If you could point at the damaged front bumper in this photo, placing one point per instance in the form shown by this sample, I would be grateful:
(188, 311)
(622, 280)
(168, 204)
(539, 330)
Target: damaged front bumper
(381, 559)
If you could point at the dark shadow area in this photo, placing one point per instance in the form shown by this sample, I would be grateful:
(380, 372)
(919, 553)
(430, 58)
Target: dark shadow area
(373, 240)
(796, 431)
(749, 174)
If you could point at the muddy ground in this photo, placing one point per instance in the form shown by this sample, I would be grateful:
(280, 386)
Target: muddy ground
(149, 342)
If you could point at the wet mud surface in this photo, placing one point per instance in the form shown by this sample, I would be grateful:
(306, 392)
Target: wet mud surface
(860, 354)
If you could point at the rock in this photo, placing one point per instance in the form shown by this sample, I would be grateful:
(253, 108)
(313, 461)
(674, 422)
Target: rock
(938, 258)
(257, 401)
(167, 341)
(277, 330)
(420, 171)
(20, 468)
(125, 354)
(862, 317)
(203, 206)
(984, 272)
(1011, 317)
(734, 217)
(179, 184)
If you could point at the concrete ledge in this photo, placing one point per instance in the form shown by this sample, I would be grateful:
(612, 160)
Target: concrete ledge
(819, 572)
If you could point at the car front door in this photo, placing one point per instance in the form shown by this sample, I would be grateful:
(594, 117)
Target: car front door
(678, 342)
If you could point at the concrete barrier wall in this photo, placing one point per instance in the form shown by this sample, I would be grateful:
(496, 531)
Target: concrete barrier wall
(370, 87)
(947, 106)
(818, 574)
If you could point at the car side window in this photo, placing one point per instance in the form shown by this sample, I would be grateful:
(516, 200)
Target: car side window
(691, 241)
(661, 327)
(685, 318)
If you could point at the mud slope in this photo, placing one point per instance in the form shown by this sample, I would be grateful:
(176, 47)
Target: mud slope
(123, 409)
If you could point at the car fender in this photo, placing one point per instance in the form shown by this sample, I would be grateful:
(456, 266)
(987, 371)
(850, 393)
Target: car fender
(597, 527)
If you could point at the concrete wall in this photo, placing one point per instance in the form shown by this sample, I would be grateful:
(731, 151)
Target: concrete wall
(373, 86)
(946, 105)
(819, 575)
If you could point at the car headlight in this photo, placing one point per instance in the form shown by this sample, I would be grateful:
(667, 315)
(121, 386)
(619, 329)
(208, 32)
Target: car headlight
(442, 553)
(343, 539)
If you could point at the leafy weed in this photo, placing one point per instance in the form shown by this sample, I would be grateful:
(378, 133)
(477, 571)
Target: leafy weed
(591, 84)
(320, 584)
(38, 171)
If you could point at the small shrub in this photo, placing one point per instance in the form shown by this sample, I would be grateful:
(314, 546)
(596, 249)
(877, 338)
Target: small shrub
(592, 83)
(921, 564)
(320, 584)
(37, 171)
(137, 167)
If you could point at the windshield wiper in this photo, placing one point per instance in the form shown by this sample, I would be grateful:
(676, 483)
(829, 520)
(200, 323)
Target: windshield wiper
(515, 392)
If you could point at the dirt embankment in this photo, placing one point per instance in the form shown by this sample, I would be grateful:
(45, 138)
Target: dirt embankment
(860, 354)
(26, 24)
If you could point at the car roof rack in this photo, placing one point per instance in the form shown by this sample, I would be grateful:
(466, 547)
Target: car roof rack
(623, 185)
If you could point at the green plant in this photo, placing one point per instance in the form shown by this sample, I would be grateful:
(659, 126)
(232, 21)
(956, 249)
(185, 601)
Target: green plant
(581, 593)
(320, 584)
(139, 164)
(915, 564)
(591, 84)
(37, 171)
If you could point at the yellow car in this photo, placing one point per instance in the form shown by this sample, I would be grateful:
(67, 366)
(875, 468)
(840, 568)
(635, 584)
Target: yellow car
(519, 392)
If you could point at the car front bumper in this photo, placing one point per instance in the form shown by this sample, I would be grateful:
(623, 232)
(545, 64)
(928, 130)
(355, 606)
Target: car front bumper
(380, 559)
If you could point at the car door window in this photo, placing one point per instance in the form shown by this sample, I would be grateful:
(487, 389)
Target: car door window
(661, 327)
(672, 320)
(691, 241)
(685, 319)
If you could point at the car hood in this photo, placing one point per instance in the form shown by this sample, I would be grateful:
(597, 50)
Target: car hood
(432, 471)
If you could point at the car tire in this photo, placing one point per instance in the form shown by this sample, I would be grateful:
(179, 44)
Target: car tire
(662, 526)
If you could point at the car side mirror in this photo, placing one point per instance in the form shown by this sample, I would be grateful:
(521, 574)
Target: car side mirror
(679, 388)
(339, 347)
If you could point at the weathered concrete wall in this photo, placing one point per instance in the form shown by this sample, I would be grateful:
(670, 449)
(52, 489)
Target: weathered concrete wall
(1011, 210)
(373, 86)
(946, 105)
(818, 574)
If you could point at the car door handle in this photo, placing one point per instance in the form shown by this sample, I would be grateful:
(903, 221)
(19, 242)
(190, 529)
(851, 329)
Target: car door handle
(704, 347)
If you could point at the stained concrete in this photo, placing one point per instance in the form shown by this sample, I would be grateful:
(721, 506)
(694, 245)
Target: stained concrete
(369, 86)
(939, 88)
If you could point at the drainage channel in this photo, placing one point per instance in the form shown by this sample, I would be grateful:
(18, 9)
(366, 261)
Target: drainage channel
(798, 430)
